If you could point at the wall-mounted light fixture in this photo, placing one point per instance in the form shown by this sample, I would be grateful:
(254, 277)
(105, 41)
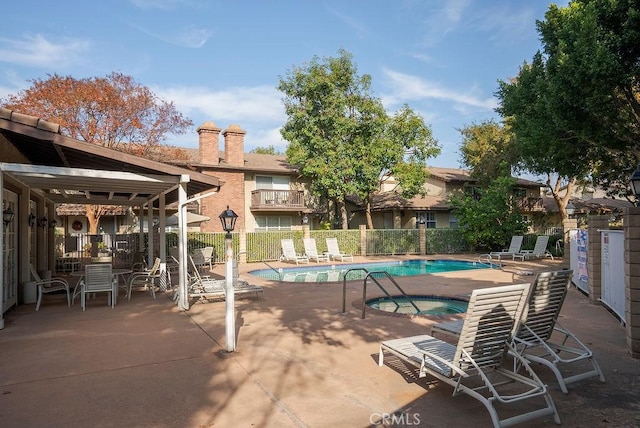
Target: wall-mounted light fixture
(32, 219)
(43, 222)
(7, 216)
(571, 209)
(53, 224)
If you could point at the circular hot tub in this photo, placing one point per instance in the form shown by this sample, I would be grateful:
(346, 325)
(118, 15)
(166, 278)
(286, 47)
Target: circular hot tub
(426, 305)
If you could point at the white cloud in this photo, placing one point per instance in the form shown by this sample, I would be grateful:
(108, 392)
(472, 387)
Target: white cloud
(405, 88)
(260, 104)
(37, 51)
(357, 26)
(189, 37)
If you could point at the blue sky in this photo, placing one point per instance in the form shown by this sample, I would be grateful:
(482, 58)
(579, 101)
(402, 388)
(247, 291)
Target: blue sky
(221, 61)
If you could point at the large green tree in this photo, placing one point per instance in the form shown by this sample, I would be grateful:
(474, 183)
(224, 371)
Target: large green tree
(575, 109)
(113, 111)
(487, 218)
(488, 150)
(342, 139)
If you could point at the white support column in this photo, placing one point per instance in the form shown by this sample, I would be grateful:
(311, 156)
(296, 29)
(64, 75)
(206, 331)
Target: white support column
(162, 242)
(150, 233)
(183, 299)
(1, 249)
(229, 298)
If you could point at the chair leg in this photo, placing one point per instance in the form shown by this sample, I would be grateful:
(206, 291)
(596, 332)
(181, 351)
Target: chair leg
(39, 298)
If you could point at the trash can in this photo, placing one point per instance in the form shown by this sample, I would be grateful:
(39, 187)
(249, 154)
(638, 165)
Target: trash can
(29, 292)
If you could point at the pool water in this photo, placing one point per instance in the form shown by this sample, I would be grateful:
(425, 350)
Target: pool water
(428, 305)
(336, 272)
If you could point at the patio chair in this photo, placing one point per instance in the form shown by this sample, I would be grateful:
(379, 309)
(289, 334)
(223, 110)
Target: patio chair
(534, 340)
(334, 251)
(49, 285)
(476, 365)
(98, 278)
(203, 256)
(289, 252)
(514, 248)
(311, 251)
(207, 287)
(145, 278)
(539, 250)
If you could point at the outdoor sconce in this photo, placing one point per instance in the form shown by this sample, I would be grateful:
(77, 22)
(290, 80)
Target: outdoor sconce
(53, 224)
(571, 209)
(43, 222)
(32, 219)
(305, 219)
(228, 219)
(635, 183)
(7, 216)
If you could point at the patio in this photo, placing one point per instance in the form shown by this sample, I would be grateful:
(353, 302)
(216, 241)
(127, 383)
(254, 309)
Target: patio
(299, 362)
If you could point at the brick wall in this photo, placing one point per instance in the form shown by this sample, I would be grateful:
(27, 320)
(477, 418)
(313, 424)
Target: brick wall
(234, 145)
(208, 143)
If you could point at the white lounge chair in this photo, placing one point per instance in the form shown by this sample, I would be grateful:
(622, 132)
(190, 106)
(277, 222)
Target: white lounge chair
(311, 251)
(475, 366)
(334, 250)
(207, 287)
(534, 339)
(514, 248)
(203, 257)
(289, 252)
(539, 250)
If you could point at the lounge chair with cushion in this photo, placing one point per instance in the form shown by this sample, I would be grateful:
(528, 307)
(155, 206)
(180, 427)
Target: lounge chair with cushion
(311, 251)
(539, 250)
(477, 364)
(289, 252)
(540, 338)
(334, 250)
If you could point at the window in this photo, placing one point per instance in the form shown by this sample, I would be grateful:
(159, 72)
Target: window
(275, 183)
(428, 218)
(453, 221)
(264, 223)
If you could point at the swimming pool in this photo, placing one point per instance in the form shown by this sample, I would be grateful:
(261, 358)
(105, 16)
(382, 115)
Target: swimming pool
(336, 272)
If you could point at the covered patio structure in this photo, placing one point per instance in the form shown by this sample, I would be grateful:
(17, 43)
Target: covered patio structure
(40, 167)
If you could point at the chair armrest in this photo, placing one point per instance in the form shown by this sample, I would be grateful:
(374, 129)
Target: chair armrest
(50, 281)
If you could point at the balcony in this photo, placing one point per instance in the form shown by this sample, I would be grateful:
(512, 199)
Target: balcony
(530, 204)
(277, 200)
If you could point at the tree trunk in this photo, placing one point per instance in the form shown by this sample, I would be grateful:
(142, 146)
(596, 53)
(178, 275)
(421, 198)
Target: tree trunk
(343, 214)
(367, 214)
(561, 201)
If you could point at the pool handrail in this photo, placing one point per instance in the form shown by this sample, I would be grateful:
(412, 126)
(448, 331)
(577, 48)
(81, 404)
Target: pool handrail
(375, 281)
(344, 287)
(279, 272)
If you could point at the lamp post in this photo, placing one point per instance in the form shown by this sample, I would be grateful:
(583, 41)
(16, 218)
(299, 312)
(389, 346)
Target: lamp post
(635, 184)
(571, 209)
(228, 219)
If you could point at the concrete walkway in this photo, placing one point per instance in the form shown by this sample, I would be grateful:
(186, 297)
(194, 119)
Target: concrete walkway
(300, 362)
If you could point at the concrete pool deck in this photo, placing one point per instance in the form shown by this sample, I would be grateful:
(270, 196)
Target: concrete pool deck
(300, 361)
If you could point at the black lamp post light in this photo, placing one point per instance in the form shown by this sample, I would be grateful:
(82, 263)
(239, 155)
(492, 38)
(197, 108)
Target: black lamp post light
(228, 219)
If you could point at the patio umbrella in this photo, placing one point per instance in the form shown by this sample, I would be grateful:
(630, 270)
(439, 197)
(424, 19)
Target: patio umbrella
(193, 219)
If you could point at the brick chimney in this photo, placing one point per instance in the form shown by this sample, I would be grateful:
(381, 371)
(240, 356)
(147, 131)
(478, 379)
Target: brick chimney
(208, 142)
(234, 145)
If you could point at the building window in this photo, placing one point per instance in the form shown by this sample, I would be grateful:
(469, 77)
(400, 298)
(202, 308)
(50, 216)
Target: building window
(428, 218)
(264, 223)
(453, 221)
(272, 183)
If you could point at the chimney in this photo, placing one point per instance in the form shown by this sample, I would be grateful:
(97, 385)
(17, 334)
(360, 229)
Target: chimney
(234, 145)
(208, 142)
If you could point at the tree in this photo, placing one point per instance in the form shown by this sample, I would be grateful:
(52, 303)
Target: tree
(487, 219)
(112, 111)
(342, 139)
(575, 108)
(488, 150)
(269, 150)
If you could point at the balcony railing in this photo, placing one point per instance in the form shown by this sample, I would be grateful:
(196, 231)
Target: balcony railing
(530, 204)
(277, 200)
